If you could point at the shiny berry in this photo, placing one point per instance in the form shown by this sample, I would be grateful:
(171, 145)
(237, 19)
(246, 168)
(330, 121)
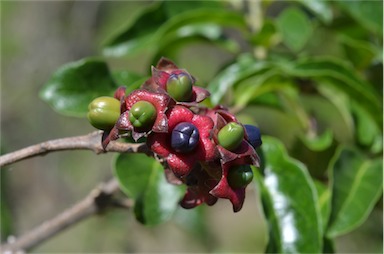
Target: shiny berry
(185, 137)
(103, 112)
(231, 136)
(240, 176)
(142, 114)
(179, 86)
(254, 135)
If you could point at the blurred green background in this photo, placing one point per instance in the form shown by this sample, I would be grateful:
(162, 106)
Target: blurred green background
(36, 39)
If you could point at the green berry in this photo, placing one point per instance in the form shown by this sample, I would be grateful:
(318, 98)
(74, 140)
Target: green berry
(231, 136)
(240, 176)
(179, 87)
(103, 112)
(142, 114)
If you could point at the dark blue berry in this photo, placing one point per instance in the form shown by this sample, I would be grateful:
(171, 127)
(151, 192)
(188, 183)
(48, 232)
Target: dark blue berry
(185, 137)
(254, 136)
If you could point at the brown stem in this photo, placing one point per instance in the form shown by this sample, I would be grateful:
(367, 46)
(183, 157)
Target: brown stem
(90, 141)
(97, 200)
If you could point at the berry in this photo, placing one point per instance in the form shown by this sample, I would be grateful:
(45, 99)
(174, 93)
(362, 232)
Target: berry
(103, 112)
(142, 114)
(254, 135)
(231, 136)
(179, 86)
(185, 137)
(240, 176)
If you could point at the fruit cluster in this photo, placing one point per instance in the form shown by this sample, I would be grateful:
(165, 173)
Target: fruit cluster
(209, 150)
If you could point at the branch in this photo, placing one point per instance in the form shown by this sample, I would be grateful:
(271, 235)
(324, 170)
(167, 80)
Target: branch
(97, 201)
(90, 141)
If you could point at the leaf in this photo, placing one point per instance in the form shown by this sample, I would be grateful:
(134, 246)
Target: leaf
(163, 27)
(128, 79)
(359, 52)
(142, 178)
(368, 13)
(320, 8)
(324, 202)
(74, 85)
(289, 202)
(357, 186)
(367, 131)
(260, 82)
(267, 36)
(174, 8)
(295, 28)
(318, 142)
(244, 67)
(137, 35)
(207, 33)
(343, 78)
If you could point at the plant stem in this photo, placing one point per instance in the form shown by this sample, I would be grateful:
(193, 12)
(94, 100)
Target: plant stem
(97, 201)
(90, 141)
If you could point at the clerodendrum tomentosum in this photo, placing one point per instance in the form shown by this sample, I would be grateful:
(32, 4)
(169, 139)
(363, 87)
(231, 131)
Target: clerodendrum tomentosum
(209, 150)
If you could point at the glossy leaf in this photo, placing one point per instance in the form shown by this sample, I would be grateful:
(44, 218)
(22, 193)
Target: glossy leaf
(323, 201)
(260, 82)
(289, 202)
(367, 130)
(295, 28)
(343, 78)
(359, 52)
(320, 8)
(142, 178)
(162, 28)
(368, 13)
(128, 79)
(210, 33)
(244, 67)
(357, 185)
(74, 85)
(137, 35)
(268, 35)
(318, 142)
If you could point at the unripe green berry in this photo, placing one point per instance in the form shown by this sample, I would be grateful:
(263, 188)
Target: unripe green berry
(179, 87)
(142, 114)
(103, 112)
(240, 176)
(231, 136)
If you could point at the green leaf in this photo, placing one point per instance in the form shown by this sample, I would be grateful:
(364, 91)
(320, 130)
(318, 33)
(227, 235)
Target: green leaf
(142, 178)
(359, 52)
(323, 202)
(244, 67)
(367, 130)
(318, 142)
(129, 42)
(174, 8)
(343, 78)
(289, 202)
(74, 85)
(357, 186)
(295, 28)
(320, 8)
(137, 35)
(267, 36)
(128, 79)
(368, 13)
(260, 82)
(211, 33)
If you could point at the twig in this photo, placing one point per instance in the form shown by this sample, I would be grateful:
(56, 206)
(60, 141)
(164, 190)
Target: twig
(91, 141)
(97, 201)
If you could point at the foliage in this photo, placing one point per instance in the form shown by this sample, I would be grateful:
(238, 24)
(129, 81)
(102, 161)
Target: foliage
(306, 75)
